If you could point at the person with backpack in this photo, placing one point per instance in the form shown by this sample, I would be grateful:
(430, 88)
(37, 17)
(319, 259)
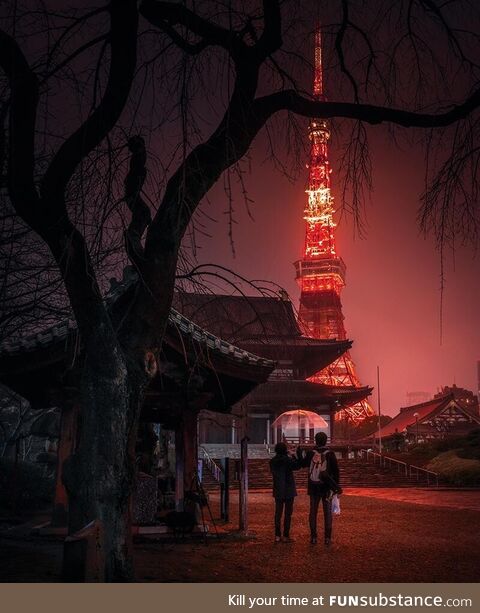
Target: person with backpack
(323, 483)
(284, 490)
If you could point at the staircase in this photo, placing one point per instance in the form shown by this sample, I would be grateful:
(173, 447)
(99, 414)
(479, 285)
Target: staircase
(353, 473)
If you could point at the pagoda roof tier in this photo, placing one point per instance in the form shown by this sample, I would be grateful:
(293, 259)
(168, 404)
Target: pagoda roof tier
(306, 355)
(239, 318)
(193, 363)
(267, 326)
(306, 395)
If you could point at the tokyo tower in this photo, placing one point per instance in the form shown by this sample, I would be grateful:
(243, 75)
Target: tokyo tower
(321, 272)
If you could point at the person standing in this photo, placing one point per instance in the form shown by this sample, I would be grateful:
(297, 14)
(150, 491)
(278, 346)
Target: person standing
(323, 483)
(284, 490)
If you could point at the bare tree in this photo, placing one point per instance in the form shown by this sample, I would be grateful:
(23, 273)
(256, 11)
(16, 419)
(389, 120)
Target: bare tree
(79, 85)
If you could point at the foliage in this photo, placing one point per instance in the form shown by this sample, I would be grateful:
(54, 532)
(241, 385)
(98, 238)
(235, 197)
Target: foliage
(455, 469)
(464, 447)
(369, 425)
(467, 446)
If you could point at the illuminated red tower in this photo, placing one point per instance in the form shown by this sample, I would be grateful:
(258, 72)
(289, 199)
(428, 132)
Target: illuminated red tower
(321, 272)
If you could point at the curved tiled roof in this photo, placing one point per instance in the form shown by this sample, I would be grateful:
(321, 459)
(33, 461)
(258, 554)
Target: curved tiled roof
(61, 332)
(406, 418)
(237, 317)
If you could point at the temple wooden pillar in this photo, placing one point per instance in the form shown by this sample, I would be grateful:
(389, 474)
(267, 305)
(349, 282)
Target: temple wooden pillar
(186, 456)
(243, 486)
(190, 446)
(179, 468)
(66, 446)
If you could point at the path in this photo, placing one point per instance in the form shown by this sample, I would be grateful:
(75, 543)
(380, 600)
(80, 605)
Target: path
(453, 499)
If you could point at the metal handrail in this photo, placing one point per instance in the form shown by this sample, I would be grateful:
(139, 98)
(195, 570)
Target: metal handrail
(425, 470)
(214, 468)
(408, 468)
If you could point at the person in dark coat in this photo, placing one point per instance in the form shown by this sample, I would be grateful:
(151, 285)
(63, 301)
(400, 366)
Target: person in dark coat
(284, 490)
(321, 491)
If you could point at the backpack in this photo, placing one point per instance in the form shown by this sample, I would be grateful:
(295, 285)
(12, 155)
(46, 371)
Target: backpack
(318, 467)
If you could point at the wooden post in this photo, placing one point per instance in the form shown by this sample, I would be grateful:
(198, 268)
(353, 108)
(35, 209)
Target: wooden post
(179, 468)
(332, 422)
(225, 491)
(243, 493)
(66, 446)
(190, 449)
(84, 555)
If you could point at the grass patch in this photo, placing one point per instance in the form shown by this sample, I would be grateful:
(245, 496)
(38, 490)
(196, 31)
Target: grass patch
(456, 469)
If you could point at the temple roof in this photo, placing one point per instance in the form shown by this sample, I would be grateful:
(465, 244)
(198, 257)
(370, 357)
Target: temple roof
(239, 318)
(266, 326)
(38, 365)
(306, 394)
(408, 416)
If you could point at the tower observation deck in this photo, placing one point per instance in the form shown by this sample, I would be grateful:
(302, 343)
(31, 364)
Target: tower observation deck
(321, 272)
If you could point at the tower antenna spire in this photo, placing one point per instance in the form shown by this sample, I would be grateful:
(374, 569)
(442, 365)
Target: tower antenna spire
(318, 69)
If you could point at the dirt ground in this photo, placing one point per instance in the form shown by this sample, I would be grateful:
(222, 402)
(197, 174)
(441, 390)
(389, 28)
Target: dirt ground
(375, 540)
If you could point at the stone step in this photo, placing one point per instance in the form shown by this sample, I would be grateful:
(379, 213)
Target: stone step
(354, 473)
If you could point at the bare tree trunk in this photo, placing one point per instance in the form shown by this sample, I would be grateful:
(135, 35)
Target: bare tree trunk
(99, 476)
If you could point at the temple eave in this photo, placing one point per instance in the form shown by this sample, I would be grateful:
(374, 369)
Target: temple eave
(291, 393)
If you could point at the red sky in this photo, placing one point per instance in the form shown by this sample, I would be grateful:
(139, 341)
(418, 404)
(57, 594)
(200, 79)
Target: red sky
(392, 299)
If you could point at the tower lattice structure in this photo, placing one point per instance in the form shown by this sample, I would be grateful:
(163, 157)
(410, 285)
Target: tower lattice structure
(321, 272)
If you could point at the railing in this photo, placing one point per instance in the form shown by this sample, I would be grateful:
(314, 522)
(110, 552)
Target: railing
(409, 470)
(268, 447)
(213, 467)
(417, 469)
(299, 440)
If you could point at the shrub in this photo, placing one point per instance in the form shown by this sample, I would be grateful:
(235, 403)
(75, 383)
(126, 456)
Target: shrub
(455, 469)
(468, 445)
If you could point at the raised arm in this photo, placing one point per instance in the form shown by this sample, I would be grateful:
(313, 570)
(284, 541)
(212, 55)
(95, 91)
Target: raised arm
(303, 458)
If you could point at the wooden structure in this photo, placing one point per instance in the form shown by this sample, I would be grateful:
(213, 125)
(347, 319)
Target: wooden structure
(267, 326)
(198, 371)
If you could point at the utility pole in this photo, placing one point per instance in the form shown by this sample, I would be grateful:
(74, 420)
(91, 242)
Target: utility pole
(379, 411)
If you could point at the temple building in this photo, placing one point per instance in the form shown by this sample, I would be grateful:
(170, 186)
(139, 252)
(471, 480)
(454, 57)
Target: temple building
(466, 398)
(444, 415)
(268, 327)
(230, 367)
(199, 371)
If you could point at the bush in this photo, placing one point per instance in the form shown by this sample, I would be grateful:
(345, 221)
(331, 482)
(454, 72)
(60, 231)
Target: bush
(455, 469)
(468, 446)
(34, 489)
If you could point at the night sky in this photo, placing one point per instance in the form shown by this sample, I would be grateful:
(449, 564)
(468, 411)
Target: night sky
(392, 299)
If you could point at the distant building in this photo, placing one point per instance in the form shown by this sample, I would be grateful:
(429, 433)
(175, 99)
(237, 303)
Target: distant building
(442, 416)
(465, 397)
(417, 397)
